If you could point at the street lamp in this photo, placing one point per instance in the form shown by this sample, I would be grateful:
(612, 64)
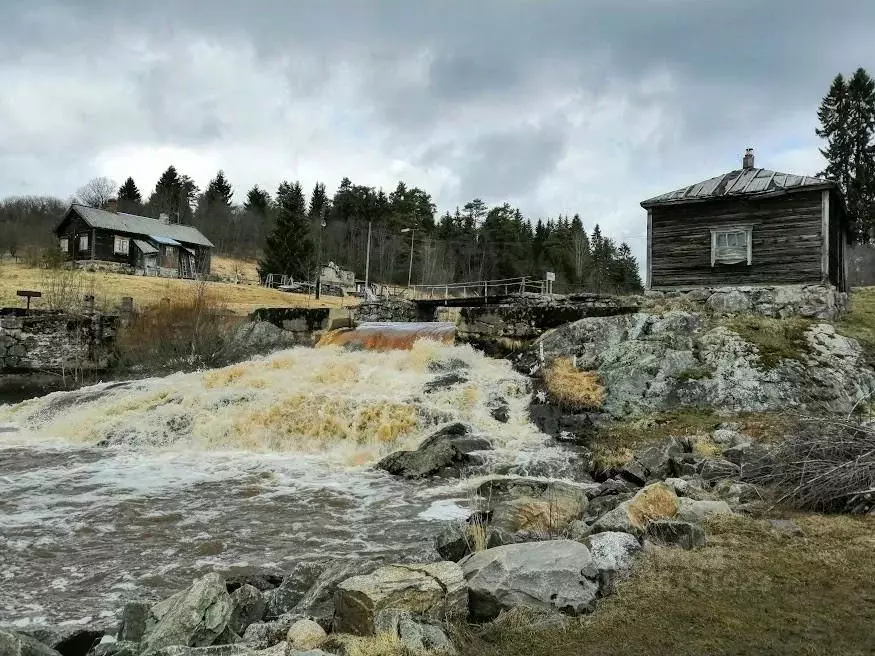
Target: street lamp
(412, 232)
(322, 224)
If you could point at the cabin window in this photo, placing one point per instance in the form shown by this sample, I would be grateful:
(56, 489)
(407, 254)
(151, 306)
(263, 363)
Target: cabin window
(83, 242)
(731, 245)
(65, 244)
(122, 245)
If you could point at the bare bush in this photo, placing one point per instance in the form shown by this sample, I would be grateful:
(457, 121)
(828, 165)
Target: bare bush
(192, 331)
(65, 289)
(829, 466)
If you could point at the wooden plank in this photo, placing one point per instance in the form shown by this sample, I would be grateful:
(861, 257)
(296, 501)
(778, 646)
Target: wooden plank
(649, 247)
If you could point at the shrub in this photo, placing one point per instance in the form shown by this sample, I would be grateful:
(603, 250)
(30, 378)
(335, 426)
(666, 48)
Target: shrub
(827, 466)
(573, 389)
(191, 331)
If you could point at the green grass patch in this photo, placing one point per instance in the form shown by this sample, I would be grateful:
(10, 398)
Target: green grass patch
(775, 339)
(752, 590)
(859, 322)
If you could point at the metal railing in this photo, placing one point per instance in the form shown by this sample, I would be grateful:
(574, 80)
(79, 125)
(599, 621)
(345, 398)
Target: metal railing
(481, 288)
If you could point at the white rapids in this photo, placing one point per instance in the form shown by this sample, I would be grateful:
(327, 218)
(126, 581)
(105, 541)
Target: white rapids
(129, 490)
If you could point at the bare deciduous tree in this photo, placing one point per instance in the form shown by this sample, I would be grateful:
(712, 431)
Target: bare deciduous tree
(97, 192)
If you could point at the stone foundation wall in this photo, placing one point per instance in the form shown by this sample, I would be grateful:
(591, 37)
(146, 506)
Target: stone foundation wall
(304, 324)
(49, 341)
(779, 301)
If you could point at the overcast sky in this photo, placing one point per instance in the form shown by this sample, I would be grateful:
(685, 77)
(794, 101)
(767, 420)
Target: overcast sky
(557, 106)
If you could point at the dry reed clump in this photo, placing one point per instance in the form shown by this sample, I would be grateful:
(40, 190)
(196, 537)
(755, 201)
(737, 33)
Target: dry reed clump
(828, 466)
(573, 389)
(384, 644)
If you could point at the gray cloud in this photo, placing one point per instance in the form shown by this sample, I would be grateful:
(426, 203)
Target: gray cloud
(559, 105)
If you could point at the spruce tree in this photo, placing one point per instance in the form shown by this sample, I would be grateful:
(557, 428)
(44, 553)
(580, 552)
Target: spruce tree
(173, 195)
(129, 198)
(289, 247)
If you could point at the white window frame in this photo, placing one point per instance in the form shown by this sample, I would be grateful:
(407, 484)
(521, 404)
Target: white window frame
(83, 242)
(121, 245)
(64, 244)
(731, 254)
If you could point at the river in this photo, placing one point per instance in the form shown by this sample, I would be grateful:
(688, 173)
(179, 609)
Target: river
(130, 490)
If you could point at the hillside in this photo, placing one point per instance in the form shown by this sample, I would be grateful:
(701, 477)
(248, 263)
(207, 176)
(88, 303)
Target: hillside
(58, 286)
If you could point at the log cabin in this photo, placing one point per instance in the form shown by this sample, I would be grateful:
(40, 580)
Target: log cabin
(138, 244)
(748, 227)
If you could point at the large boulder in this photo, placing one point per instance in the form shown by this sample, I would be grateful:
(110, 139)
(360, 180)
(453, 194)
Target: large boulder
(134, 620)
(690, 510)
(247, 606)
(16, 644)
(196, 619)
(533, 506)
(558, 575)
(686, 535)
(654, 502)
(304, 635)
(435, 591)
(444, 452)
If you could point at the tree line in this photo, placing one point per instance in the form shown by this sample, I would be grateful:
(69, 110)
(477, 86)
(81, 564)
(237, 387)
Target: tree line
(288, 231)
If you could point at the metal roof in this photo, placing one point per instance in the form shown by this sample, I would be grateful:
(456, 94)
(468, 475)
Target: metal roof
(167, 241)
(145, 247)
(738, 183)
(140, 225)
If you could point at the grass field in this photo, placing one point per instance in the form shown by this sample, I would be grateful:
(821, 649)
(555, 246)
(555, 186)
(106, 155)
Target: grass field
(109, 288)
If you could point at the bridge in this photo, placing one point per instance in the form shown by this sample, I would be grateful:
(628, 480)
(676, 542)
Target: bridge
(480, 292)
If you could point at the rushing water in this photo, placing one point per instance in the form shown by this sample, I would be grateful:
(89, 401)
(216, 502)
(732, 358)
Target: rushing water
(130, 490)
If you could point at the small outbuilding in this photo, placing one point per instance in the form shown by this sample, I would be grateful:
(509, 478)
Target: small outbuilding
(748, 227)
(116, 240)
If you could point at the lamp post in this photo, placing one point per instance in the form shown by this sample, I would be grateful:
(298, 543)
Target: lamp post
(322, 224)
(412, 232)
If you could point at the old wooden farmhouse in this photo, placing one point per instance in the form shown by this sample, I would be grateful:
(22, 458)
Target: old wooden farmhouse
(155, 247)
(750, 226)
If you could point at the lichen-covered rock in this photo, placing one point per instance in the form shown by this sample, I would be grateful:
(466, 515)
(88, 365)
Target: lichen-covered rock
(435, 590)
(686, 535)
(134, 620)
(612, 555)
(196, 619)
(690, 510)
(558, 575)
(650, 362)
(654, 502)
(304, 635)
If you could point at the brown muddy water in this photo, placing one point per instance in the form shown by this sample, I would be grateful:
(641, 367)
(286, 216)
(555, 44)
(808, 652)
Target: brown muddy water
(129, 490)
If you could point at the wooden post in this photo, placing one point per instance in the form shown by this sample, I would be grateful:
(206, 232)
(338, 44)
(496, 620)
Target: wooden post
(650, 249)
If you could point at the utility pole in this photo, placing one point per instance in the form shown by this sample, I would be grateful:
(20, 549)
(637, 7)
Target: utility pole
(412, 232)
(322, 224)
(368, 259)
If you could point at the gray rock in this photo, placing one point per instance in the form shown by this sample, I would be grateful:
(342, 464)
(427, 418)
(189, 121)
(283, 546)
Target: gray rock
(616, 486)
(579, 530)
(262, 581)
(318, 602)
(729, 302)
(683, 534)
(262, 635)
(656, 501)
(17, 644)
(160, 609)
(459, 436)
(451, 543)
(304, 635)
(66, 639)
(449, 448)
(435, 591)
(247, 606)
(714, 470)
(444, 381)
(446, 366)
(119, 648)
(613, 552)
(656, 459)
(787, 527)
(135, 617)
(728, 437)
(199, 617)
(634, 472)
(556, 575)
(691, 487)
(424, 638)
(294, 586)
(690, 510)
(210, 650)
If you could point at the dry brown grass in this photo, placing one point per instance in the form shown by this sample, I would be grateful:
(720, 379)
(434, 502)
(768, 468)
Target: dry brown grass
(752, 590)
(109, 288)
(573, 389)
(384, 644)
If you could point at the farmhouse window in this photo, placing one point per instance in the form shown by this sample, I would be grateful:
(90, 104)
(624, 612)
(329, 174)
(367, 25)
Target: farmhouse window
(731, 245)
(122, 246)
(65, 244)
(83, 242)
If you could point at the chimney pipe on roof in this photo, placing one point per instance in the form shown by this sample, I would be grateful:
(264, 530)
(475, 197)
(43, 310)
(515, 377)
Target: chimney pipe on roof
(747, 162)
(111, 205)
(164, 217)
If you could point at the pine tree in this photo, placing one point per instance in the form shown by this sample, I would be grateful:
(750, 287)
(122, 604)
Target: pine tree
(847, 123)
(289, 246)
(129, 198)
(174, 195)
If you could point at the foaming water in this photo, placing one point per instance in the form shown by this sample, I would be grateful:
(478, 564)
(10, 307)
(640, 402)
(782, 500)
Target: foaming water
(389, 335)
(129, 490)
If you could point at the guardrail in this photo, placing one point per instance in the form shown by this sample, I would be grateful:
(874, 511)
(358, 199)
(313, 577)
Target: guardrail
(481, 288)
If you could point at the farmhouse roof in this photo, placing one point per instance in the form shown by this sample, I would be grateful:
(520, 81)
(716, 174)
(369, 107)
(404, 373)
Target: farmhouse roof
(139, 225)
(743, 182)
